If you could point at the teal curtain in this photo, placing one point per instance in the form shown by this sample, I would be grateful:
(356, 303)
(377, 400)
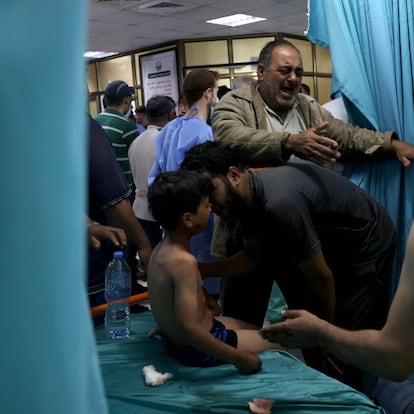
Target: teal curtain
(48, 354)
(372, 49)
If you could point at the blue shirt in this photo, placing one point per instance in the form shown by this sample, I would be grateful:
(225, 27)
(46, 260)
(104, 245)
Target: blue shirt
(175, 139)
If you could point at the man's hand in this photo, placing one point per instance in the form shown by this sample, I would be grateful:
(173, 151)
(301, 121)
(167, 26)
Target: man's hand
(311, 146)
(144, 253)
(203, 269)
(98, 233)
(212, 304)
(403, 151)
(299, 330)
(247, 362)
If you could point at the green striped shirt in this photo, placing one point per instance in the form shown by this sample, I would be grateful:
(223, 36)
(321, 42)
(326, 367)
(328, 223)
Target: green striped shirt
(121, 133)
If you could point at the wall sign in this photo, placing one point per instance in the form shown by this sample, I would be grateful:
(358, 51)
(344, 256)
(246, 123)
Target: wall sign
(159, 75)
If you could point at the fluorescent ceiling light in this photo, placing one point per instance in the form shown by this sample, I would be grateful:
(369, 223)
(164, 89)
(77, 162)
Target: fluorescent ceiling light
(96, 54)
(236, 20)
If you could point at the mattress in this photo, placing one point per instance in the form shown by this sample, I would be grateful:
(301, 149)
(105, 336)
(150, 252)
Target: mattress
(295, 387)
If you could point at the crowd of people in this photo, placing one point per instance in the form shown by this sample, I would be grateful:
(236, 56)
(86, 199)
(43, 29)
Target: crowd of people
(240, 185)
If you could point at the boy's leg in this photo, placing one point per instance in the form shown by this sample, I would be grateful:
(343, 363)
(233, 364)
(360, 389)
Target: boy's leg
(250, 340)
(235, 324)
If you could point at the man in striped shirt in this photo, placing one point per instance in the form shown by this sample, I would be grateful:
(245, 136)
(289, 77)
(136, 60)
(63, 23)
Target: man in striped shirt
(121, 131)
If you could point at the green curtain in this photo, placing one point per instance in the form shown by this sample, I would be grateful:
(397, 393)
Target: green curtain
(48, 354)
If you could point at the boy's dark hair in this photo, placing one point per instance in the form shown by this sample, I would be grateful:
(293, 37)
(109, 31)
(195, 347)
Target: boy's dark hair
(174, 193)
(212, 157)
(196, 83)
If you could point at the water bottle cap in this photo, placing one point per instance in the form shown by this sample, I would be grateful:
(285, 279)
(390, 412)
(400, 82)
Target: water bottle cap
(118, 255)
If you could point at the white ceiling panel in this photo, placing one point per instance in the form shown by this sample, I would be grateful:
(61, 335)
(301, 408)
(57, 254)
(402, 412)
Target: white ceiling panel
(123, 25)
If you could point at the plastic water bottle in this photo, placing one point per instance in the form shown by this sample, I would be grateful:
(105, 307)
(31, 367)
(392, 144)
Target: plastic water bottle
(117, 291)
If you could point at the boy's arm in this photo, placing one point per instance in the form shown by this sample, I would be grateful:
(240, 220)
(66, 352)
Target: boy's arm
(190, 314)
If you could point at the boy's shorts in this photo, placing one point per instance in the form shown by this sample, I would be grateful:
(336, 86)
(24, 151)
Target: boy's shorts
(190, 356)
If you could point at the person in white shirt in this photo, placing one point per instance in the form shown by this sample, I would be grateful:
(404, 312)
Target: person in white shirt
(160, 110)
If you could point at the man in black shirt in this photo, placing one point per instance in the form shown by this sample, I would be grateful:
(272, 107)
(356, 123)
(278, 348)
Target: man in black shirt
(108, 204)
(327, 243)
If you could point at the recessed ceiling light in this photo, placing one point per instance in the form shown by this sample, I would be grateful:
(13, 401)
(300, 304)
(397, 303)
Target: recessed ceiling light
(96, 54)
(236, 20)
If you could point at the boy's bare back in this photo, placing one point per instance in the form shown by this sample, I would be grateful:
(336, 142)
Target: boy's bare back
(175, 289)
(179, 307)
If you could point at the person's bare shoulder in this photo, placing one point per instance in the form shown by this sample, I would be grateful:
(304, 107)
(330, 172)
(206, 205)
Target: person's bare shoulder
(182, 263)
(173, 259)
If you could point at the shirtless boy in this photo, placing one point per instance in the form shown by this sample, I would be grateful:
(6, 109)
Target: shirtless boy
(179, 201)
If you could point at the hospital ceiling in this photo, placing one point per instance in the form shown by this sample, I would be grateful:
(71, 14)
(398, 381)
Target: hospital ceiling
(126, 25)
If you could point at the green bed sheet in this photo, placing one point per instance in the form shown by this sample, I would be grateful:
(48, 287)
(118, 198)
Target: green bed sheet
(293, 386)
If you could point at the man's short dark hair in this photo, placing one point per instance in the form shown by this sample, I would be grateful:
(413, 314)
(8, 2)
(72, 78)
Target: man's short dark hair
(265, 57)
(172, 194)
(141, 110)
(222, 90)
(212, 157)
(158, 106)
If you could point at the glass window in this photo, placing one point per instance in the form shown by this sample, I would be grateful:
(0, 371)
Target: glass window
(92, 81)
(323, 60)
(114, 69)
(206, 53)
(224, 82)
(248, 50)
(324, 90)
(309, 81)
(221, 71)
(246, 69)
(93, 107)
